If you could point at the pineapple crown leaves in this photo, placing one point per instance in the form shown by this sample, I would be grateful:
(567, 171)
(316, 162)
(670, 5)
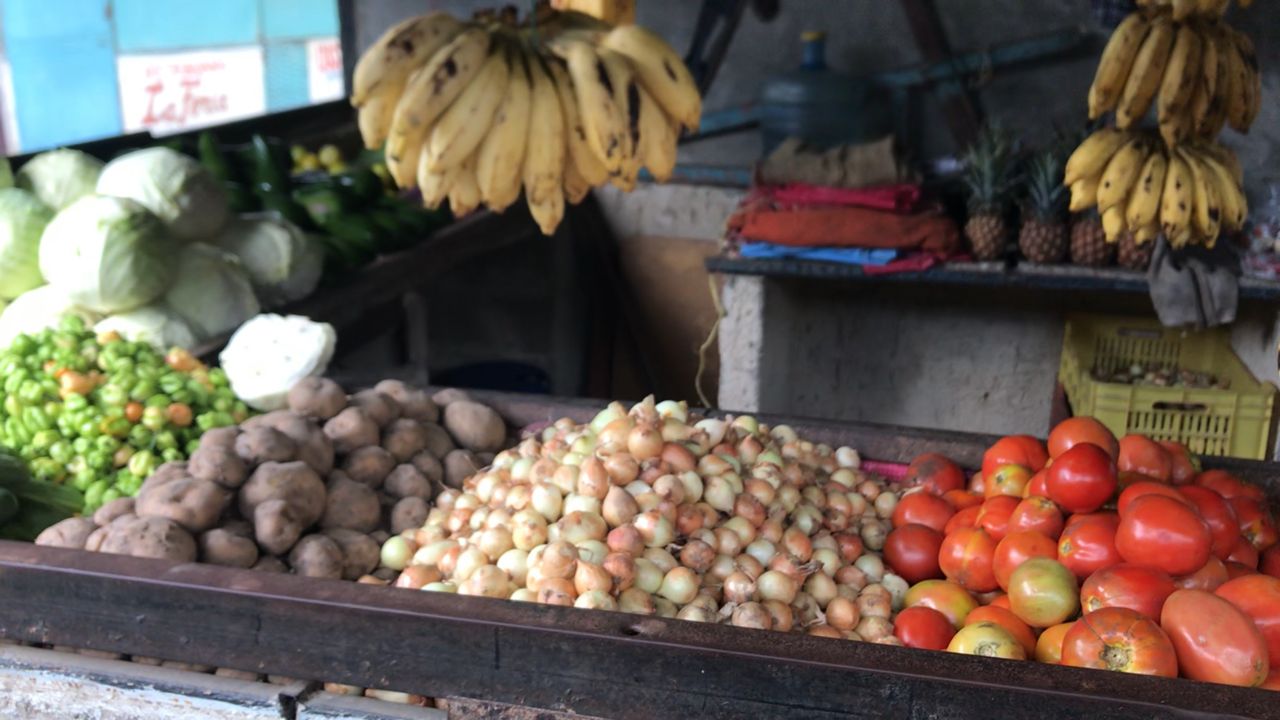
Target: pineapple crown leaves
(990, 168)
(1046, 197)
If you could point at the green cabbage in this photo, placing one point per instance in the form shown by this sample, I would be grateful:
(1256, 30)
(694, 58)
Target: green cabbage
(284, 263)
(179, 190)
(107, 254)
(60, 177)
(155, 324)
(211, 291)
(38, 309)
(22, 220)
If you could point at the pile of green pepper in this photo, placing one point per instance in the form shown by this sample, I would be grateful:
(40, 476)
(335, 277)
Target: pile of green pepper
(101, 413)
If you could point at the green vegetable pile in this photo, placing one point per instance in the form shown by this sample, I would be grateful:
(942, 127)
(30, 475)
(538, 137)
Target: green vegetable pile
(100, 414)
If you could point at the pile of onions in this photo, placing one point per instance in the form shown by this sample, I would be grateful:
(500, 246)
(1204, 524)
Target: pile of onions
(650, 511)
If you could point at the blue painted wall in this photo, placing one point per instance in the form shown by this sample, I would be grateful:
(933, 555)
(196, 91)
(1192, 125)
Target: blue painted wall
(62, 54)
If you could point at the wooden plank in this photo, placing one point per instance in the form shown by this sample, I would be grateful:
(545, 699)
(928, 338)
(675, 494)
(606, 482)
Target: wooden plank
(960, 106)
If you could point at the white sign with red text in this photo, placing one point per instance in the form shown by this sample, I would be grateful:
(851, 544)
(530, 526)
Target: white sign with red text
(324, 70)
(179, 91)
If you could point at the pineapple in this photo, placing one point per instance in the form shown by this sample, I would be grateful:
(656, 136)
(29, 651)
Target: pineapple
(988, 175)
(1133, 254)
(1089, 244)
(1043, 238)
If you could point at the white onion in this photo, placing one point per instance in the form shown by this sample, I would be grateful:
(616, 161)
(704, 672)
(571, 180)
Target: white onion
(470, 560)
(581, 503)
(593, 551)
(547, 501)
(680, 585)
(529, 529)
(431, 554)
(656, 530)
(829, 560)
(774, 585)
(396, 552)
(636, 601)
(596, 600)
(662, 558)
(821, 587)
(648, 576)
(719, 494)
(872, 566)
(578, 526)
(847, 457)
(524, 595)
(761, 550)
(515, 563)
(897, 587)
(445, 587)
(752, 615)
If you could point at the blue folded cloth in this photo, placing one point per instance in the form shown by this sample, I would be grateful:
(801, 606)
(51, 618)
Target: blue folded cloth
(848, 256)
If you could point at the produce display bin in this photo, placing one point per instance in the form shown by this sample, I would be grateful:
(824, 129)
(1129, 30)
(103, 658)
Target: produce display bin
(1231, 422)
(553, 660)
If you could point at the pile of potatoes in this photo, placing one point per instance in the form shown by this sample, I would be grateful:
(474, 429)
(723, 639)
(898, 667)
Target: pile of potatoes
(315, 489)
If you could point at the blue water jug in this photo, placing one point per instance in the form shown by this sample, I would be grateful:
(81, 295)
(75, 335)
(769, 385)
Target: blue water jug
(821, 106)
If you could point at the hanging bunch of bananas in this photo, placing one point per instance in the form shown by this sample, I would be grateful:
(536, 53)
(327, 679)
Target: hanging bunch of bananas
(1183, 9)
(1200, 73)
(474, 112)
(1190, 193)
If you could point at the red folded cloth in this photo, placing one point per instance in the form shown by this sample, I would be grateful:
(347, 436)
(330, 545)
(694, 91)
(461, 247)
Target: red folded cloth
(915, 262)
(931, 231)
(893, 198)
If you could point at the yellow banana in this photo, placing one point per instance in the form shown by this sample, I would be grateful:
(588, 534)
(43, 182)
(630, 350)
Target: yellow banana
(602, 120)
(1250, 80)
(464, 193)
(1236, 96)
(1084, 193)
(1113, 224)
(1093, 154)
(1146, 233)
(658, 137)
(1180, 74)
(433, 185)
(1234, 207)
(576, 187)
(458, 132)
(544, 159)
(1177, 202)
(429, 92)
(1206, 82)
(585, 162)
(1117, 61)
(1182, 9)
(374, 120)
(1144, 202)
(501, 154)
(1147, 73)
(1216, 116)
(1204, 216)
(1121, 173)
(1176, 128)
(1212, 8)
(626, 95)
(661, 71)
(385, 67)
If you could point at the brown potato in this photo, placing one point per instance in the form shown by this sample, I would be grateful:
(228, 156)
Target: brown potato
(317, 397)
(223, 437)
(219, 465)
(314, 448)
(70, 533)
(93, 543)
(404, 438)
(438, 441)
(317, 556)
(167, 472)
(408, 514)
(414, 403)
(360, 554)
(276, 526)
(223, 547)
(476, 427)
(369, 465)
(446, 397)
(350, 505)
(351, 429)
(265, 444)
(194, 504)
(294, 482)
(271, 564)
(458, 466)
(405, 481)
(429, 466)
(381, 408)
(114, 509)
(150, 537)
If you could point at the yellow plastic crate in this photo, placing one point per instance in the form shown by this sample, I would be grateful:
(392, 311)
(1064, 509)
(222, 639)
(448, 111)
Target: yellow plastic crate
(1234, 422)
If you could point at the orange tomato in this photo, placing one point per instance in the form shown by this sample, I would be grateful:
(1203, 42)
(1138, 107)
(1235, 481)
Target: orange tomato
(1136, 587)
(1117, 638)
(1073, 431)
(1088, 543)
(1210, 577)
(1008, 480)
(936, 473)
(923, 627)
(988, 640)
(1164, 533)
(1258, 596)
(1038, 486)
(1256, 524)
(1007, 620)
(1215, 640)
(1016, 548)
(1147, 487)
(944, 596)
(1141, 454)
(1049, 644)
(967, 517)
(995, 514)
(966, 558)
(1082, 478)
(1039, 514)
(1218, 515)
(1043, 592)
(1184, 465)
(961, 499)
(1021, 450)
(922, 508)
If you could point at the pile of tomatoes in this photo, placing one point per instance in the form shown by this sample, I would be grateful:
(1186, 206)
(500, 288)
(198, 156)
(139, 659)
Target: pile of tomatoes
(1091, 552)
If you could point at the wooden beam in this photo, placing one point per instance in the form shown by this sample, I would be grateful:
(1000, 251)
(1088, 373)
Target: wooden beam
(960, 105)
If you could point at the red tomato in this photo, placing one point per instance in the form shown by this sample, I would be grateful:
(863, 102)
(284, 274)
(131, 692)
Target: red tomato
(1269, 563)
(1001, 600)
(1007, 620)
(961, 499)
(1008, 480)
(924, 628)
(1245, 554)
(1073, 431)
(1235, 569)
(1136, 587)
(976, 484)
(1185, 466)
(1117, 638)
(1218, 515)
(1038, 487)
(1273, 680)
(1226, 484)
(966, 557)
(1147, 487)
(1081, 479)
(1016, 548)
(1163, 533)
(1141, 454)
(922, 508)
(1088, 544)
(1049, 646)
(912, 552)
(1256, 524)
(995, 514)
(1021, 450)
(1215, 640)
(1210, 577)
(967, 517)
(946, 597)
(935, 473)
(1043, 592)
(1258, 596)
(1039, 514)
